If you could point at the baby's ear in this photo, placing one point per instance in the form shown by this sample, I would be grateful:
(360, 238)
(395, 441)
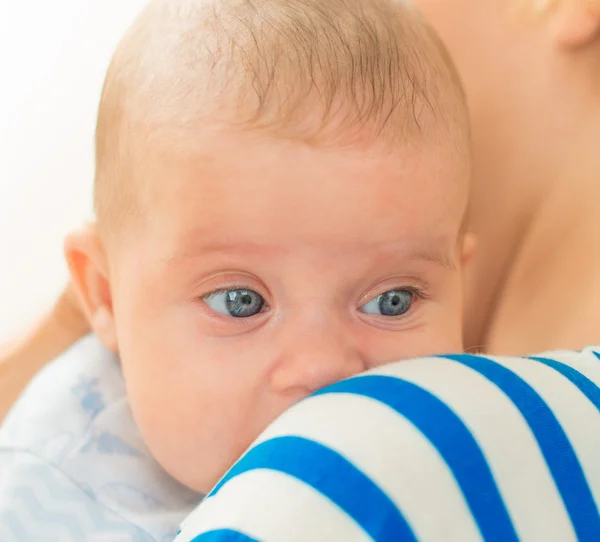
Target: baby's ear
(469, 245)
(575, 24)
(88, 265)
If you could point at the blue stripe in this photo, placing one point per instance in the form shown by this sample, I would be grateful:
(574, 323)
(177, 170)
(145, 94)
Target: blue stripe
(223, 535)
(585, 385)
(334, 477)
(453, 440)
(596, 354)
(552, 440)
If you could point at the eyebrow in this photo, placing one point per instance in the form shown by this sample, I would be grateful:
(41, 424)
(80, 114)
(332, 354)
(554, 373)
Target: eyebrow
(217, 248)
(434, 255)
(428, 252)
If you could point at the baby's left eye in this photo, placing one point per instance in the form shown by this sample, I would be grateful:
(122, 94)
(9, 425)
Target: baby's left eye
(392, 303)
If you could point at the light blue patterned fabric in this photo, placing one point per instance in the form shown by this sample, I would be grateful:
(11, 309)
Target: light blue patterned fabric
(454, 448)
(73, 466)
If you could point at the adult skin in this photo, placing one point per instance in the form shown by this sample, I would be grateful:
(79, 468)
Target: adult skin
(532, 75)
(22, 358)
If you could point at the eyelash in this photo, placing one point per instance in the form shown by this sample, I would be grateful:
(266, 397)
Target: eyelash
(419, 292)
(232, 287)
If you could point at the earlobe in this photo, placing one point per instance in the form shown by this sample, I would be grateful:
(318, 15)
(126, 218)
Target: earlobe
(576, 24)
(86, 258)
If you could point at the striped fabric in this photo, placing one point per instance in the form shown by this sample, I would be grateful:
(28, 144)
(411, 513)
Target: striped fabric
(451, 448)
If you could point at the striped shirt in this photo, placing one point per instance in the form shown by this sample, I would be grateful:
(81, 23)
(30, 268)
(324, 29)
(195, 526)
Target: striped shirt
(448, 448)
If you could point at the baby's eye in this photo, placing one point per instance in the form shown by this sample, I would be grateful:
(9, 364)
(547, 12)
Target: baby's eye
(392, 303)
(236, 303)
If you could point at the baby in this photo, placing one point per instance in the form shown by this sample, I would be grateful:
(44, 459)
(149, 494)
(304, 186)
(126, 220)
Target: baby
(280, 192)
(281, 188)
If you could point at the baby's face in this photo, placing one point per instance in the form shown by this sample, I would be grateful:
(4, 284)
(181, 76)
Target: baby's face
(264, 270)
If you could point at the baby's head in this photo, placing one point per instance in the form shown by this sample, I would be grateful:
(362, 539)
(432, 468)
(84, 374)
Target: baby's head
(280, 194)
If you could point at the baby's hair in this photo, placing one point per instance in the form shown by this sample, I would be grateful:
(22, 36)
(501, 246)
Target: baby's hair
(319, 71)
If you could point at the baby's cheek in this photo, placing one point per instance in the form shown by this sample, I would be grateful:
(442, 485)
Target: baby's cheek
(181, 433)
(175, 392)
(194, 431)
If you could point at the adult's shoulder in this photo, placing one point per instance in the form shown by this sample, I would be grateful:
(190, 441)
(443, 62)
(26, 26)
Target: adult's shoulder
(551, 296)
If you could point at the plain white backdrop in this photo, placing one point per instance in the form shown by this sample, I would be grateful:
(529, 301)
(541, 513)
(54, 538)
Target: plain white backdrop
(53, 58)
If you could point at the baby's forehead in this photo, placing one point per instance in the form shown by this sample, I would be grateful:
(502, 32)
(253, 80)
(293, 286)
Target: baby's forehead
(253, 187)
(212, 150)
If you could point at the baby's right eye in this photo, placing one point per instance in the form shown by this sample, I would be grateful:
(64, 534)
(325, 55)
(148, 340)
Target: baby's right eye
(237, 303)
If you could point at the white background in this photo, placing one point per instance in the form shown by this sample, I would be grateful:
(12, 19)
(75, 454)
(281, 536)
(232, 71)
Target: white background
(53, 57)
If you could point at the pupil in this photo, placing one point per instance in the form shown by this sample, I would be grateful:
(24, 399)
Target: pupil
(246, 299)
(395, 301)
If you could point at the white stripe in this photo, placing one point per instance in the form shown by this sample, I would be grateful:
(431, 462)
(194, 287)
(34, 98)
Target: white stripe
(584, 362)
(390, 451)
(578, 416)
(273, 507)
(508, 444)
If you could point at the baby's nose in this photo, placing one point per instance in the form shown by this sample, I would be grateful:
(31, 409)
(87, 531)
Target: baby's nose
(316, 357)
